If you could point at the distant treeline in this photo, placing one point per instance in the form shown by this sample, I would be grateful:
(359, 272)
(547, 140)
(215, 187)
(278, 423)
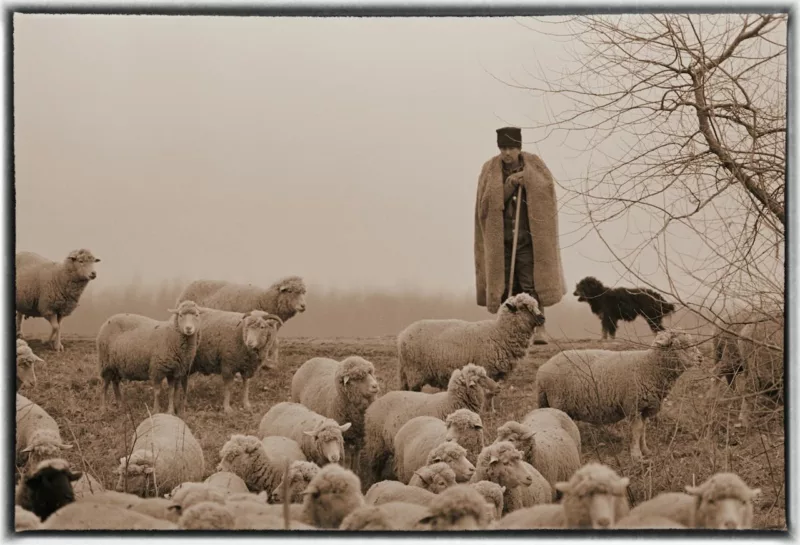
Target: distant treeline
(344, 313)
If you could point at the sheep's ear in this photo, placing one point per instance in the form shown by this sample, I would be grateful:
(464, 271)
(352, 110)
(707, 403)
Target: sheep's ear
(503, 489)
(262, 495)
(27, 449)
(425, 478)
(175, 507)
(754, 492)
(563, 487)
(436, 459)
(493, 460)
(309, 433)
(97, 260)
(284, 288)
(148, 470)
(511, 307)
(345, 427)
(426, 519)
(345, 379)
(65, 446)
(75, 475)
(477, 426)
(693, 490)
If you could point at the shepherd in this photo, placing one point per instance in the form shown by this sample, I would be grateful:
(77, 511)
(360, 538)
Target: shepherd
(516, 229)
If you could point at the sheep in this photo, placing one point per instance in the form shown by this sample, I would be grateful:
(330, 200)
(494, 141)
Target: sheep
(386, 415)
(87, 486)
(285, 298)
(227, 481)
(466, 428)
(430, 350)
(91, 515)
(648, 522)
(37, 434)
(135, 347)
(299, 475)
(493, 494)
(721, 502)
(341, 391)
(761, 346)
(47, 488)
(260, 463)
(235, 342)
(319, 437)
(394, 491)
(501, 463)
(51, 290)
(163, 455)
(545, 444)
(434, 477)
(207, 516)
(393, 516)
(26, 365)
(24, 520)
(333, 494)
(604, 386)
(458, 508)
(594, 497)
(417, 440)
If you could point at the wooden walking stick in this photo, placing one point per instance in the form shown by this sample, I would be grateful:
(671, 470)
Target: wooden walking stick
(514, 246)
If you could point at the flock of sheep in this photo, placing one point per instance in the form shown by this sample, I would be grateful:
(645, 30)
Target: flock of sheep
(339, 454)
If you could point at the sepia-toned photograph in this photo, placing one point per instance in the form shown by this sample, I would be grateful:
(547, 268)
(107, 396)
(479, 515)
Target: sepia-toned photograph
(500, 275)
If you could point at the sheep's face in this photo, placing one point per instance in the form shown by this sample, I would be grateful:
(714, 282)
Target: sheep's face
(134, 479)
(26, 374)
(595, 497)
(81, 263)
(476, 379)
(519, 435)
(436, 477)
(329, 441)
(505, 464)
(292, 297)
(259, 331)
(51, 489)
(524, 304)
(465, 431)
(724, 502)
(299, 475)
(453, 455)
(359, 377)
(463, 469)
(331, 496)
(680, 344)
(187, 317)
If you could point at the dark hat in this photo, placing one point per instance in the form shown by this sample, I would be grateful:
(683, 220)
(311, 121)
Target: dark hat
(509, 137)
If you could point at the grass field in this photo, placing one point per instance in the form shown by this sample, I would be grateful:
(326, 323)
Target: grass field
(692, 437)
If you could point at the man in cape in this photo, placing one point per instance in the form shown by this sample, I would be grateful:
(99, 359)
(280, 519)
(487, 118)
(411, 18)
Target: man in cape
(537, 264)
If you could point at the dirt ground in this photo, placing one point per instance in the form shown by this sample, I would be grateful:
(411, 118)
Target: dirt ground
(692, 438)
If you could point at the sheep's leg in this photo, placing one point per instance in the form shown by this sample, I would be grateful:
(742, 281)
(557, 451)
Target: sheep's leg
(184, 382)
(156, 388)
(645, 450)
(246, 395)
(637, 428)
(106, 384)
(20, 317)
(227, 382)
(172, 387)
(55, 333)
(117, 393)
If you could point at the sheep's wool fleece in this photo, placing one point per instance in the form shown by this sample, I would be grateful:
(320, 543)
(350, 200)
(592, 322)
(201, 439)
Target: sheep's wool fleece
(490, 275)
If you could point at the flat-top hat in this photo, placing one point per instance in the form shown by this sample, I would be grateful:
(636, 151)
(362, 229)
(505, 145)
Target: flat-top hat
(509, 137)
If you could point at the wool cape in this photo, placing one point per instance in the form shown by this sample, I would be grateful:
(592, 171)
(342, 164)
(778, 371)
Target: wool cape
(542, 210)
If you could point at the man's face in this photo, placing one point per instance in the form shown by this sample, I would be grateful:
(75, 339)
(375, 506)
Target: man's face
(509, 155)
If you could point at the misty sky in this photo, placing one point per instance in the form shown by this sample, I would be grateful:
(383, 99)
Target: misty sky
(343, 150)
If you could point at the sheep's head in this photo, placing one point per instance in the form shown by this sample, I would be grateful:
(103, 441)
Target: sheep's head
(300, 475)
(239, 454)
(43, 444)
(356, 377)
(259, 333)
(331, 495)
(460, 507)
(291, 296)
(26, 364)
(436, 477)
(328, 439)
(519, 435)
(594, 497)
(135, 474)
(501, 463)
(50, 486)
(679, 344)
(523, 304)
(186, 317)
(369, 518)
(589, 288)
(80, 263)
(465, 428)
(724, 502)
(455, 456)
(471, 381)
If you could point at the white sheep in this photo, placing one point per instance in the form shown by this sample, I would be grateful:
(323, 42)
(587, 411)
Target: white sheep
(164, 454)
(394, 491)
(235, 342)
(333, 494)
(341, 391)
(37, 434)
(299, 476)
(25, 520)
(86, 486)
(761, 345)
(502, 464)
(647, 522)
(430, 350)
(435, 477)
(594, 497)
(393, 516)
(26, 365)
(545, 443)
(421, 441)
(260, 463)
(286, 297)
(466, 428)
(721, 502)
(135, 347)
(51, 290)
(458, 508)
(604, 386)
(319, 437)
(230, 516)
(493, 494)
(227, 481)
(92, 515)
(386, 415)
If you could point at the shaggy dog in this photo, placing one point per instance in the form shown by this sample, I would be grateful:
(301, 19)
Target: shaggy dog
(615, 304)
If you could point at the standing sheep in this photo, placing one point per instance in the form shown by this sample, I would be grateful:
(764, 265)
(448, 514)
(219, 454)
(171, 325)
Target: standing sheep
(319, 437)
(51, 290)
(37, 434)
(430, 350)
(164, 454)
(387, 414)
(136, 347)
(286, 297)
(260, 464)
(604, 386)
(26, 365)
(421, 441)
(235, 342)
(341, 391)
(761, 345)
(466, 428)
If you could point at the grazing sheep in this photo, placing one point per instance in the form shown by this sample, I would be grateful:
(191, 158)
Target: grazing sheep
(164, 454)
(393, 516)
(37, 434)
(227, 481)
(26, 365)
(430, 350)
(286, 297)
(136, 347)
(394, 491)
(24, 520)
(421, 441)
(466, 428)
(47, 488)
(493, 494)
(721, 502)
(51, 290)
(235, 342)
(87, 486)
(604, 386)
(434, 477)
(594, 497)
(260, 464)
(299, 476)
(614, 304)
(333, 494)
(319, 437)
(386, 415)
(761, 346)
(456, 509)
(341, 391)
(501, 463)
(91, 515)
(545, 443)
